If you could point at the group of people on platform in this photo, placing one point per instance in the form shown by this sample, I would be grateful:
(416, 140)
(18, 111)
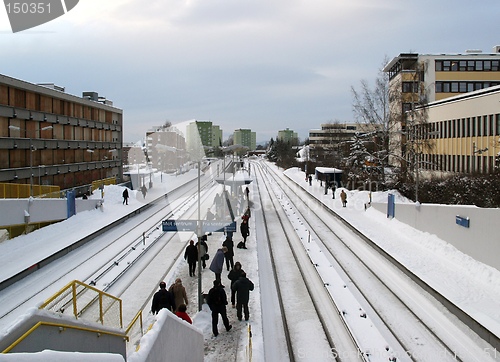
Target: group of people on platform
(175, 299)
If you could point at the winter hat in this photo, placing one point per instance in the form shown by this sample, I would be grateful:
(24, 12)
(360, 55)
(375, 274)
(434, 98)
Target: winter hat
(216, 283)
(237, 264)
(163, 285)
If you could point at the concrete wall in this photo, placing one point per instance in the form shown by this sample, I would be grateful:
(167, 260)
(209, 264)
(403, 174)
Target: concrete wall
(13, 211)
(481, 240)
(170, 339)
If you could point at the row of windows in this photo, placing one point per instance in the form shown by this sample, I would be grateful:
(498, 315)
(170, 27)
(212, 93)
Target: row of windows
(462, 87)
(487, 125)
(467, 65)
(458, 163)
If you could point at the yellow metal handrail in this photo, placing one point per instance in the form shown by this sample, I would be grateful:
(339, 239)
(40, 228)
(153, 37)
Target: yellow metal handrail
(82, 298)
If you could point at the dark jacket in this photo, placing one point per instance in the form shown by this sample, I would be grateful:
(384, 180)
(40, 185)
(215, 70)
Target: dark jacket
(163, 299)
(242, 287)
(229, 244)
(191, 254)
(244, 229)
(235, 273)
(217, 298)
(125, 194)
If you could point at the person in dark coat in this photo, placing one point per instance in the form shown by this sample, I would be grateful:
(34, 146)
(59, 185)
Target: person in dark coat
(245, 231)
(191, 255)
(234, 275)
(125, 196)
(242, 287)
(163, 299)
(217, 301)
(343, 198)
(229, 244)
(203, 250)
(217, 264)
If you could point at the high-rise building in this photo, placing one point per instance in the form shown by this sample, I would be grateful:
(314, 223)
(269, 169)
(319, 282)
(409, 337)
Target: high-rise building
(51, 137)
(245, 137)
(201, 136)
(287, 135)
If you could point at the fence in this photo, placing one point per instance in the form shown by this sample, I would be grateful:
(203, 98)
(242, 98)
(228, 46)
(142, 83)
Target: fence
(20, 191)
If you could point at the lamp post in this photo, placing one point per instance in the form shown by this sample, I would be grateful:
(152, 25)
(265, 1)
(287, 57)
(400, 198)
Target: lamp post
(31, 151)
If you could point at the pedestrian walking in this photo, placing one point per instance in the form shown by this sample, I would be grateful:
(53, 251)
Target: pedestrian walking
(234, 275)
(217, 264)
(310, 180)
(203, 248)
(343, 198)
(191, 255)
(181, 313)
(242, 287)
(144, 191)
(163, 299)
(217, 301)
(179, 293)
(125, 197)
(245, 231)
(247, 192)
(229, 255)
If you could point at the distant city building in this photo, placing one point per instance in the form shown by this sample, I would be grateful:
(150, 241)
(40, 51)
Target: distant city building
(166, 148)
(53, 138)
(330, 142)
(245, 137)
(287, 135)
(204, 134)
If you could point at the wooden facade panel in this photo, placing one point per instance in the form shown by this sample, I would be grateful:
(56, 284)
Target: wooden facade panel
(31, 101)
(45, 104)
(4, 159)
(4, 127)
(4, 95)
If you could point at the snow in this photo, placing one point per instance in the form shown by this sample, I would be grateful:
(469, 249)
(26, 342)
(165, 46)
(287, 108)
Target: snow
(473, 286)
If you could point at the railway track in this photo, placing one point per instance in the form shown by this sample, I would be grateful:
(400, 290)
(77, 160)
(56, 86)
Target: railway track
(412, 327)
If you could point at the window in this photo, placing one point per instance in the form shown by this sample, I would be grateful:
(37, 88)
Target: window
(479, 65)
(470, 65)
(463, 87)
(497, 127)
(439, 65)
(487, 65)
(454, 87)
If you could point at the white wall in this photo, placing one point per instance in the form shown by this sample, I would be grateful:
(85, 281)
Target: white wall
(12, 211)
(481, 240)
(170, 339)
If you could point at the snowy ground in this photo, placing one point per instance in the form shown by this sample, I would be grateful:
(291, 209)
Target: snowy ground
(473, 286)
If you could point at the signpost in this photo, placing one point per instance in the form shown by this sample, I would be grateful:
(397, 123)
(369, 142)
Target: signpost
(192, 225)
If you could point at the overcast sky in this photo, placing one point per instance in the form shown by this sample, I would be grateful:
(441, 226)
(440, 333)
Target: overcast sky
(259, 64)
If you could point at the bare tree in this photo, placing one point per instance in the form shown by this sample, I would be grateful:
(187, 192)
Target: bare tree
(372, 106)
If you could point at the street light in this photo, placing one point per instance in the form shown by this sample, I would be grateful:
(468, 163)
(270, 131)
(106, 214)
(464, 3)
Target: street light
(31, 150)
